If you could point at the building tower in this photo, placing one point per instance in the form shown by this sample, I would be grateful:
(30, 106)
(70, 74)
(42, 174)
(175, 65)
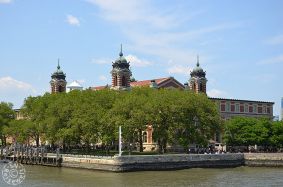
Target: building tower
(197, 82)
(58, 81)
(282, 109)
(121, 73)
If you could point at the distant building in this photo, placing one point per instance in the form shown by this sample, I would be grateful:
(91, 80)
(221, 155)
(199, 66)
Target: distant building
(75, 85)
(282, 109)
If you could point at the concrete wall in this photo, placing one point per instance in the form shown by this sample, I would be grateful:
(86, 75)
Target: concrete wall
(264, 159)
(155, 162)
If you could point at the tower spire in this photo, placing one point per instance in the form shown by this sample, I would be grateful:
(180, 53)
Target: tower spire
(58, 66)
(121, 51)
(197, 61)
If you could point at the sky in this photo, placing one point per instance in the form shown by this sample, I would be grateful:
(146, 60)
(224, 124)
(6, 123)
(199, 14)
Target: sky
(239, 43)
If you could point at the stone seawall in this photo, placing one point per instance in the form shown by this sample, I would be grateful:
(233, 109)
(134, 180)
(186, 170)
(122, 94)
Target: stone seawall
(155, 162)
(264, 159)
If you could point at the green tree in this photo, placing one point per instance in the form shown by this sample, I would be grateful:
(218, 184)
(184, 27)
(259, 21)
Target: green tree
(19, 130)
(7, 114)
(246, 131)
(276, 139)
(197, 119)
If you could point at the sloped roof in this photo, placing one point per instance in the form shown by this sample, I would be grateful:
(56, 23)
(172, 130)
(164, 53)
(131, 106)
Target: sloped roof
(158, 81)
(148, 82)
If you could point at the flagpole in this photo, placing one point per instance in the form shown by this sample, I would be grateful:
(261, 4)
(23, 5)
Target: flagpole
(120, 141)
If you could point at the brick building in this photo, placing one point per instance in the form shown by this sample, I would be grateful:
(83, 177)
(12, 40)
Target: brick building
(228, 108)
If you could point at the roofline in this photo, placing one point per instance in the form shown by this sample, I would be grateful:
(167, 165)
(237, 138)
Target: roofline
(151, 79)
(214, 98)
(171, 78)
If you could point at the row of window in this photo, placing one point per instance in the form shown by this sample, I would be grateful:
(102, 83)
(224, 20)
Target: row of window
(244, 108)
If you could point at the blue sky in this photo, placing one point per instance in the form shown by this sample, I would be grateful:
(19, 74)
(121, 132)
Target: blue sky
(240, 44)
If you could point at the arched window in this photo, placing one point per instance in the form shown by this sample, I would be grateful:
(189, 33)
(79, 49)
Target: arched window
(200, 87)
(115, 80)
(60, 89)
(123, 81)
(144, 136)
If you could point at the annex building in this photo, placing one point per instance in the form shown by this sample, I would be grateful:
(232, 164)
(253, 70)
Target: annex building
(197, 81)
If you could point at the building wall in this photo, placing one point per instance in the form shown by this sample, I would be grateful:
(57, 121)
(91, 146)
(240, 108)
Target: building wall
(229, 108)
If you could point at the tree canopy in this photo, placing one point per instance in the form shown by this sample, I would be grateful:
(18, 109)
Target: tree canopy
(89, 117)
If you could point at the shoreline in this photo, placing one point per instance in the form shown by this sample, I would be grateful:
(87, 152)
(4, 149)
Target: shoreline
(167, 162)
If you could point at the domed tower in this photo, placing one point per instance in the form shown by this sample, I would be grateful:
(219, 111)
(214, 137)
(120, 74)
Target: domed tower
(58, 81)
(198, 81)
(121, 73)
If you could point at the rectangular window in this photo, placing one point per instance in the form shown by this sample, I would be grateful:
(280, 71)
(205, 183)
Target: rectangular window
(237, 107)
(259, 109)
(250, 109)
(268, 110)
(222, 107)
(232, 108)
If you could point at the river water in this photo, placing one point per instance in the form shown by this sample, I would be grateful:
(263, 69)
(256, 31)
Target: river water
(240, 176)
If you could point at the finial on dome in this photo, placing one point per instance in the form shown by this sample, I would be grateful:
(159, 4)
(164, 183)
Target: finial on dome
(197, 61)
(58, 66)
(121, 52)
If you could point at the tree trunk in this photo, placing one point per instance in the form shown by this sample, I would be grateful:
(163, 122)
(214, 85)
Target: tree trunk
(140, 140)
(4, 143)
(87, 147)
(164, 146)
(160, 148)
(37, 140)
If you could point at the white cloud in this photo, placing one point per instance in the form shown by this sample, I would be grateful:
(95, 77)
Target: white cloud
(5, 1)
(275, 40)
(216, 93)
(136, 62)
(15, 91)
(179, 69)
(273, 60)
(102, 78)
(162, 33)
(72, 20)
(8, 83)
(102, 61)
(152, 30)
(133, 11)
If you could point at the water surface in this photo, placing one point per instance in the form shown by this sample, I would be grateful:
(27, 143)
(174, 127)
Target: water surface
(240, 176)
